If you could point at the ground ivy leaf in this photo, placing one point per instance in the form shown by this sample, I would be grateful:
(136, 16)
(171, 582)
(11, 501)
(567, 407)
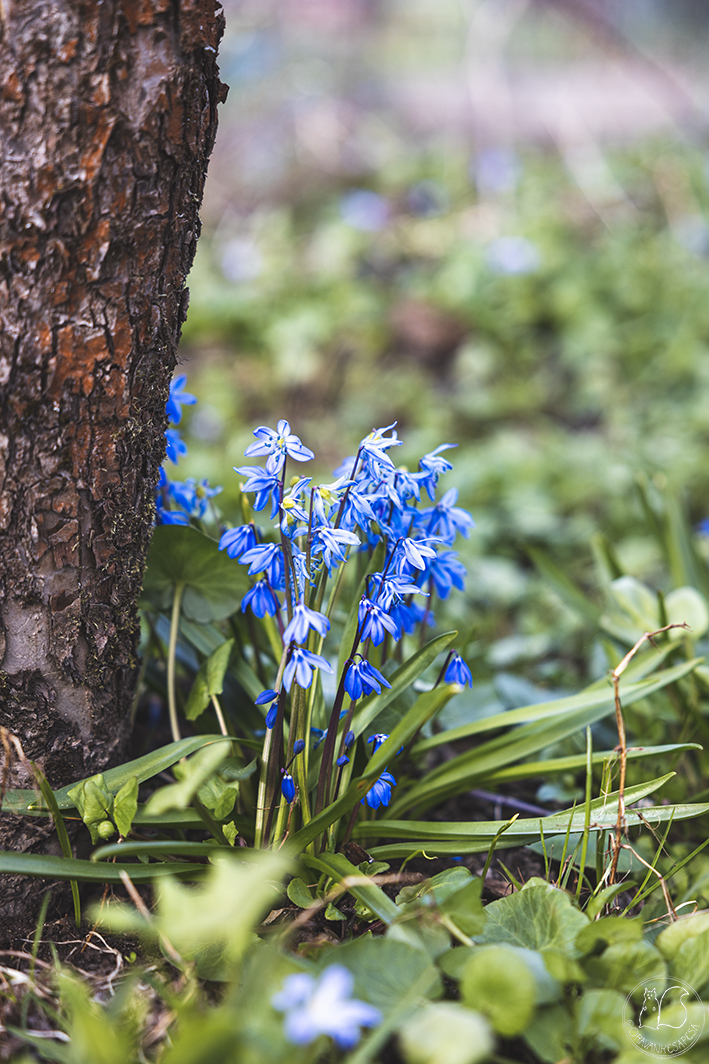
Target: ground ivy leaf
(539, 917)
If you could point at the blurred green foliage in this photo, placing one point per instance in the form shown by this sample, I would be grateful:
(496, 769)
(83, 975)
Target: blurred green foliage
(555, 326)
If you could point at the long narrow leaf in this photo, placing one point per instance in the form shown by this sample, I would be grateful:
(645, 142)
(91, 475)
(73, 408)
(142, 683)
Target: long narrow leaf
(564, 587)
(49, 867)
(590, 698)
(529, 769)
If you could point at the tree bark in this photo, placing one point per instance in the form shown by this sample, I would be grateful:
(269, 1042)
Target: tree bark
(107, 118)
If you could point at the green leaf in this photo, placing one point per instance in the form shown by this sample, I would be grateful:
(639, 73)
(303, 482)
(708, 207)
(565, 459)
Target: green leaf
(446, 1033)
(538, 917)
(458, 773)
(465, 908)
(209, 680)
(95, 803)
(125, 805)
(384, 969)
(48, 866)
(595, 697)
(299, 894)
(194, 773)
(564, 587)
(498, 983)
(340, 869)
(331, 913)
(214, 583)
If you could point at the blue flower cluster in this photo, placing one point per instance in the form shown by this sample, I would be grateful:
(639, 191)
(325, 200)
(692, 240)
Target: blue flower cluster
(319, 525)
(177, 501)
(324, 1006)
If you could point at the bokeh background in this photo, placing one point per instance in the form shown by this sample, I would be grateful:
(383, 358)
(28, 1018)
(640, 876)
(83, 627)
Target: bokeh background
(486, 220)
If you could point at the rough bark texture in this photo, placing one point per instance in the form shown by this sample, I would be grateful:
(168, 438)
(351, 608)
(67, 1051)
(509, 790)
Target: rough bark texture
(107, 118)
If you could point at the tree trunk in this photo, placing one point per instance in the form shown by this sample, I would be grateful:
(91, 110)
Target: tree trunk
(107, 118)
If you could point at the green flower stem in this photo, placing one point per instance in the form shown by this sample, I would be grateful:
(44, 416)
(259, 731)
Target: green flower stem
(587, 810)
(174, 625)
(220, 715)
(299, 730)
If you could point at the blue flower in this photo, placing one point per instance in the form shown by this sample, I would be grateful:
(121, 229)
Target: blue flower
(458, 671)
(392, 589)
(298, 747)
(332, 543)
(261, 599)
(363, 678)
(192, 496)
(261, 558)
(380, 791)
(433, 465)
(265, 697)
(375, 445)
(164, 516)
(379, 739)
(177, 398)
(324, 1006)
(288, 787)
(272, 715)
(265, 484)
(446, 572)
(408, 615)
(343, 760)
(303, 620)
(277, 445)
(375, 622)
(236, 541)
(447, 519)
(416, 551)
(301, 666)
(175, 445)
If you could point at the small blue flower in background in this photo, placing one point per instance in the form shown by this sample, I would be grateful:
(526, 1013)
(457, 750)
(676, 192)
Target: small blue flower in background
(193, 496)
(164, 516)
(303, 620)
(513, 255)
(272, 715)
(343, 760)
(261, 599)
(178, 398)
(446, 572)
(236, 541)
(288, 787)
(380, 791)
(447, 519)
(298, 747)
(364, 210)
(277, 445)
(175, 445)
(301, 666)
(458, 671)
(433, 466)
(324, 1006)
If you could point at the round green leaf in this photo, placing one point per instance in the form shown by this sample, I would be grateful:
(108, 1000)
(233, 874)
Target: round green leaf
(214, 583)
(498, 983)
(446, 1033)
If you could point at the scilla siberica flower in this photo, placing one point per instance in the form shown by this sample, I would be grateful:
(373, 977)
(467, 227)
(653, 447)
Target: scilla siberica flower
(261, 599)
(277, 445)
(363, 678)
(375, 623)
(323, 1006)
(301, 666)
(236, 541)
(303, 620)
(380, 791)
(177, 398)
(457, 671)
(288, 787)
